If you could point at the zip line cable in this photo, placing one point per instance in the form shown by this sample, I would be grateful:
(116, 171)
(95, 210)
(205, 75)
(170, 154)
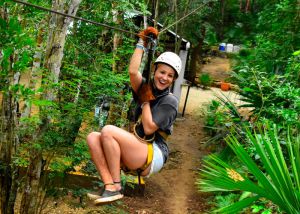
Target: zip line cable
(74, 17)
(101, 24)
(179, 20)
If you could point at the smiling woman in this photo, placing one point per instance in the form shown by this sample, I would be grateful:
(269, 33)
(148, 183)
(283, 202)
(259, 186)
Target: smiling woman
(145, 151)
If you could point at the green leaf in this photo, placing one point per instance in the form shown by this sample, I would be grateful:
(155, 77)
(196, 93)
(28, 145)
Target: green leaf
(268, 211)
(296, 53)
(245, 195)
(238, 206)
(256, 208)
(247, 89)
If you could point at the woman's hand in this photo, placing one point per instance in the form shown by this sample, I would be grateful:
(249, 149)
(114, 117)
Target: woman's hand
(144, 34)
(145, 94)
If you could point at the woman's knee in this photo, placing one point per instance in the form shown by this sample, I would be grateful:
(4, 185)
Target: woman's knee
(107, 131)
(93, 139)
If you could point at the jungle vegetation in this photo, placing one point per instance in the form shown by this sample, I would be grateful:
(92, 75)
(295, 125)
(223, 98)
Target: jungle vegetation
(54, 70)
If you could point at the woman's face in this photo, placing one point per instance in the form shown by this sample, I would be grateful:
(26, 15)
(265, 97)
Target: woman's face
(163, 76)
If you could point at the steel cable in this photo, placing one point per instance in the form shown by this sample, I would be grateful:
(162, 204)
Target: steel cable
(179, 20)
(101, 24)
(74, 17)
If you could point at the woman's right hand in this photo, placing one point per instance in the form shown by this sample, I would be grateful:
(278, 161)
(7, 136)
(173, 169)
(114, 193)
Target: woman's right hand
(144, 34)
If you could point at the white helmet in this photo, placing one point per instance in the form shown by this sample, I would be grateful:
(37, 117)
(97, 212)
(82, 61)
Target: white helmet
(170, 59)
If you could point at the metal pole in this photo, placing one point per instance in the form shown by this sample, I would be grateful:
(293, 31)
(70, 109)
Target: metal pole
(186, 98)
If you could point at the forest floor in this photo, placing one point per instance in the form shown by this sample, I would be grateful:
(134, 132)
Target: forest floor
(174, 189)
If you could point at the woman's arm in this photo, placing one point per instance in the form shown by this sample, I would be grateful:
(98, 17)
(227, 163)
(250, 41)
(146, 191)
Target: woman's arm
(134, 74)
(162, 116)
(136, 59)
(147, 120)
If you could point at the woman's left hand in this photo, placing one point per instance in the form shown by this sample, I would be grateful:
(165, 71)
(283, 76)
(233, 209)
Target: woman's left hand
(145, 94)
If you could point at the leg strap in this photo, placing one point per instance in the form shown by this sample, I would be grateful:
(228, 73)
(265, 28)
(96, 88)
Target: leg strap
(145, 166)
(149, 157)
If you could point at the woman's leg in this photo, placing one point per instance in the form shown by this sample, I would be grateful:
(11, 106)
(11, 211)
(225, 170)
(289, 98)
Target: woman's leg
(122, 146)
(112, 146)
(98, 157)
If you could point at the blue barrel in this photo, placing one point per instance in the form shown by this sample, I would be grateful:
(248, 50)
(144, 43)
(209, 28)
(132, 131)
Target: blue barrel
(222, 47)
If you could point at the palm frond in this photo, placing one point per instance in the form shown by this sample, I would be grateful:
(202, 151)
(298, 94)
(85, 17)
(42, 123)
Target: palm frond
(275, 177)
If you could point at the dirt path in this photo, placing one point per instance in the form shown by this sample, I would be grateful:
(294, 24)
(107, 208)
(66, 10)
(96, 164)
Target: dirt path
(173, 190)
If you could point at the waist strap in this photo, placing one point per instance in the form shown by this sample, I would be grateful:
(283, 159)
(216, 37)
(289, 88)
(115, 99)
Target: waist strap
(147, 138)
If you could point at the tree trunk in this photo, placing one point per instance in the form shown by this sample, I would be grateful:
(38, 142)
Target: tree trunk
(117, 19)
(180, 26)
(221, 29)
(241, 5)
(56, 42)
(8, 137)
(8, 143)
(196, 57)
(115, 110)
(247, 9)
(34, 75)
(177, 41)
(156, 12)
(53, 58)
(30, 196)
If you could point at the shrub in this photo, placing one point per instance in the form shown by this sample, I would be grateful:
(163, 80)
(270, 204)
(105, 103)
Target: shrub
(205, 80)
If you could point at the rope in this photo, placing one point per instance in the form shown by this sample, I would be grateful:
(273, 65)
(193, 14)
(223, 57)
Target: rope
(179, 20)
(74, 17)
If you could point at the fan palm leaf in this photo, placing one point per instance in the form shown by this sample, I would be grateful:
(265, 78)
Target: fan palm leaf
(275, 177)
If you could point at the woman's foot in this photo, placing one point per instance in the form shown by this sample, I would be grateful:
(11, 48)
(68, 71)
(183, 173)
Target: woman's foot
(118, 186)
(112, 192)
(108, 196)
(95, 195)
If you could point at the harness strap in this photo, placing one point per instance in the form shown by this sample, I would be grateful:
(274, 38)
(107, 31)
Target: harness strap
(149, 157)
(145, 166)
(148, 138)
(163, 134)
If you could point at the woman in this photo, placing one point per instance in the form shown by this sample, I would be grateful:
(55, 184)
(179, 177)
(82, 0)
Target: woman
(156, 114)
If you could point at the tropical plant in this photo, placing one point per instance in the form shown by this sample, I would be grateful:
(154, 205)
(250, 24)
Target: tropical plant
(274, 176)
(271, 96)
(220, 115)
(205, 80)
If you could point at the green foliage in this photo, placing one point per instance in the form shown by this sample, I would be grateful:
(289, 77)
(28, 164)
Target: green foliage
(15, 50)
(277, 29)
(277, 180)
(274, 97)
(205, 80)
(225, 200)
(220, 115)
(213, 117)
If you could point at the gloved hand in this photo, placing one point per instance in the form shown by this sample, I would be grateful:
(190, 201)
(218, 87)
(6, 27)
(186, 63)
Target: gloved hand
(145, 94)
(148, 31)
